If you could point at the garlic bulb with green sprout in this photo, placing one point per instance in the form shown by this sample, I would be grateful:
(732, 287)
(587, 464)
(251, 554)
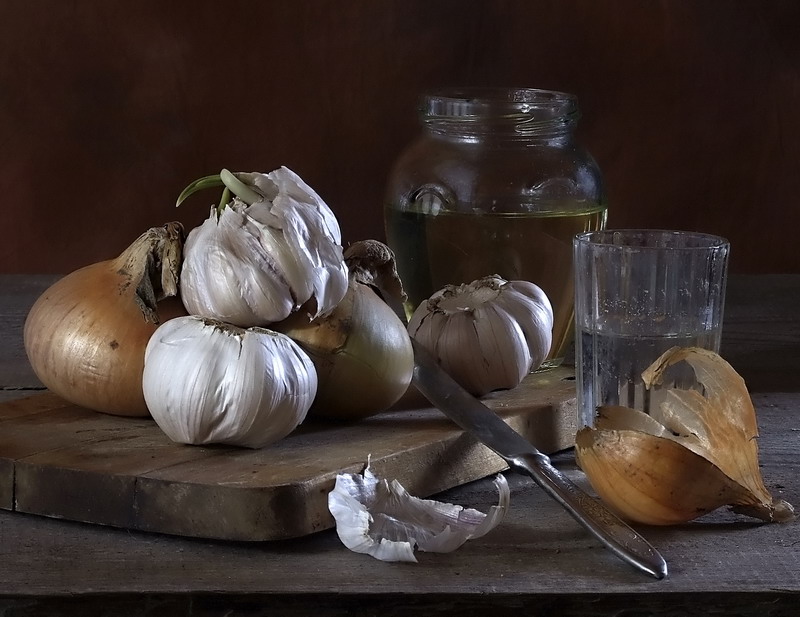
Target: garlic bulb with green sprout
(209, 382)
(260, 256)
(488, 334)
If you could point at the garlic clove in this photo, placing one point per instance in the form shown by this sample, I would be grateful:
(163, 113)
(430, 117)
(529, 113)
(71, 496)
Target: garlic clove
(256, 263)
(531, 309)
(488, 334)
(311, 235)
(697, 450)
(381, 519)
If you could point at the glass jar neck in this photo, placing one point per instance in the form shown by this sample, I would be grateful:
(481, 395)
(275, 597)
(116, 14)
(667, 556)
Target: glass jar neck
(523, 114)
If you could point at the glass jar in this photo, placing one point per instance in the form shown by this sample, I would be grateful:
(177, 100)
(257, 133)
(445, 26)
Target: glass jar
(495, 184)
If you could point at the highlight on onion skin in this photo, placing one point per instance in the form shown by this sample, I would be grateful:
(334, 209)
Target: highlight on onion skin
(85, 336)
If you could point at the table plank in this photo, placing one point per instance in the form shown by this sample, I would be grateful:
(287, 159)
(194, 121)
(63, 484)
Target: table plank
(539, 561)
(19, 292)
(531, 555)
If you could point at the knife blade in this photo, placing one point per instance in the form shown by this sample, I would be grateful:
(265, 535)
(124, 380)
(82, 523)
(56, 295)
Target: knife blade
(485, 425)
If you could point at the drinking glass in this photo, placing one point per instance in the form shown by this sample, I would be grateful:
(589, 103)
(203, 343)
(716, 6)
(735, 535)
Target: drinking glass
(638, 293)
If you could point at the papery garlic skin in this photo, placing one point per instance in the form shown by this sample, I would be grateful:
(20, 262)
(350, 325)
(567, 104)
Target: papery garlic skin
(252, 265)
(488, 334)
(208, 382)
(379, 518)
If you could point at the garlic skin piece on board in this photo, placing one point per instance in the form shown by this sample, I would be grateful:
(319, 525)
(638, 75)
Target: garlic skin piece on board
(488, 334)
(209, 382)
(381, 519)
(695, 452)
(253, 264)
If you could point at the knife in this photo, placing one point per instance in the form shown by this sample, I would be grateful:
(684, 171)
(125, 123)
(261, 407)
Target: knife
(484, 424)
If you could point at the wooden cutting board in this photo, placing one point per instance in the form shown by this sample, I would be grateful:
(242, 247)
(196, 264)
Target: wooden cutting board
(59, 460)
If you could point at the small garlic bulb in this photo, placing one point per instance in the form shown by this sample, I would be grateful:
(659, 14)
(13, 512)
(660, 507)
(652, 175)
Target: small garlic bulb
(209, 382)
(265, 254)
(487, 334)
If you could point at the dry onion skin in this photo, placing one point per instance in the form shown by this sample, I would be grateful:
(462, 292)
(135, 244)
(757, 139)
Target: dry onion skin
(696, 452)
(86, 335)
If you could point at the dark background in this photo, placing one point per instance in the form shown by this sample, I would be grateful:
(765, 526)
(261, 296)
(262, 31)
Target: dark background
(108, 108)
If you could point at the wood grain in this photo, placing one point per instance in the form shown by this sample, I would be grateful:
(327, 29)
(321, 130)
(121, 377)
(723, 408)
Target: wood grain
(64, 461)
(538, 562)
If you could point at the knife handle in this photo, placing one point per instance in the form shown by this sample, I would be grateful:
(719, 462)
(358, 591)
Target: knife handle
(603, 524)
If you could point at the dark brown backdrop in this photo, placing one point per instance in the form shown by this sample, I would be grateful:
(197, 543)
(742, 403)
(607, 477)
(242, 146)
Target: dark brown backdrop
(108, 108)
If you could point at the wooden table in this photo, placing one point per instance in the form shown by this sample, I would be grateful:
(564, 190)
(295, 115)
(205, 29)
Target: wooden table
(538, 562)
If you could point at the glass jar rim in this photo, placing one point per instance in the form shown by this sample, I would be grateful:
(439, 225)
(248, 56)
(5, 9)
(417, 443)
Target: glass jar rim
(651, 240)
(516, 112)
(482, 101)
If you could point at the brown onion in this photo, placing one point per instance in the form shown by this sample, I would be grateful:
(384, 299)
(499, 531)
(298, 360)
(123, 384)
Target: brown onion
(85, 336)
(362, 353)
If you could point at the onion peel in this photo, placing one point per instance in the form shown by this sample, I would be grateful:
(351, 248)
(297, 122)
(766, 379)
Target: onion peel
(695, 452)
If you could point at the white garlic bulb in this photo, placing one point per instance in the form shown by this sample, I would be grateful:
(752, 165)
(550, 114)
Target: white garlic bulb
(208, 382)
(268, 252)
(487, 334)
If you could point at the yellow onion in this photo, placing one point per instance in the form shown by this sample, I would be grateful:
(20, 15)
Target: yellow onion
(695, 452)
(361, 351)
(86, 335)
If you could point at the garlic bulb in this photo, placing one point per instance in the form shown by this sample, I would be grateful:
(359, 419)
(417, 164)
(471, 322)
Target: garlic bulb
(381, 519)
(273, 248)
(487, 334)
(695, 452)
(209, 382)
